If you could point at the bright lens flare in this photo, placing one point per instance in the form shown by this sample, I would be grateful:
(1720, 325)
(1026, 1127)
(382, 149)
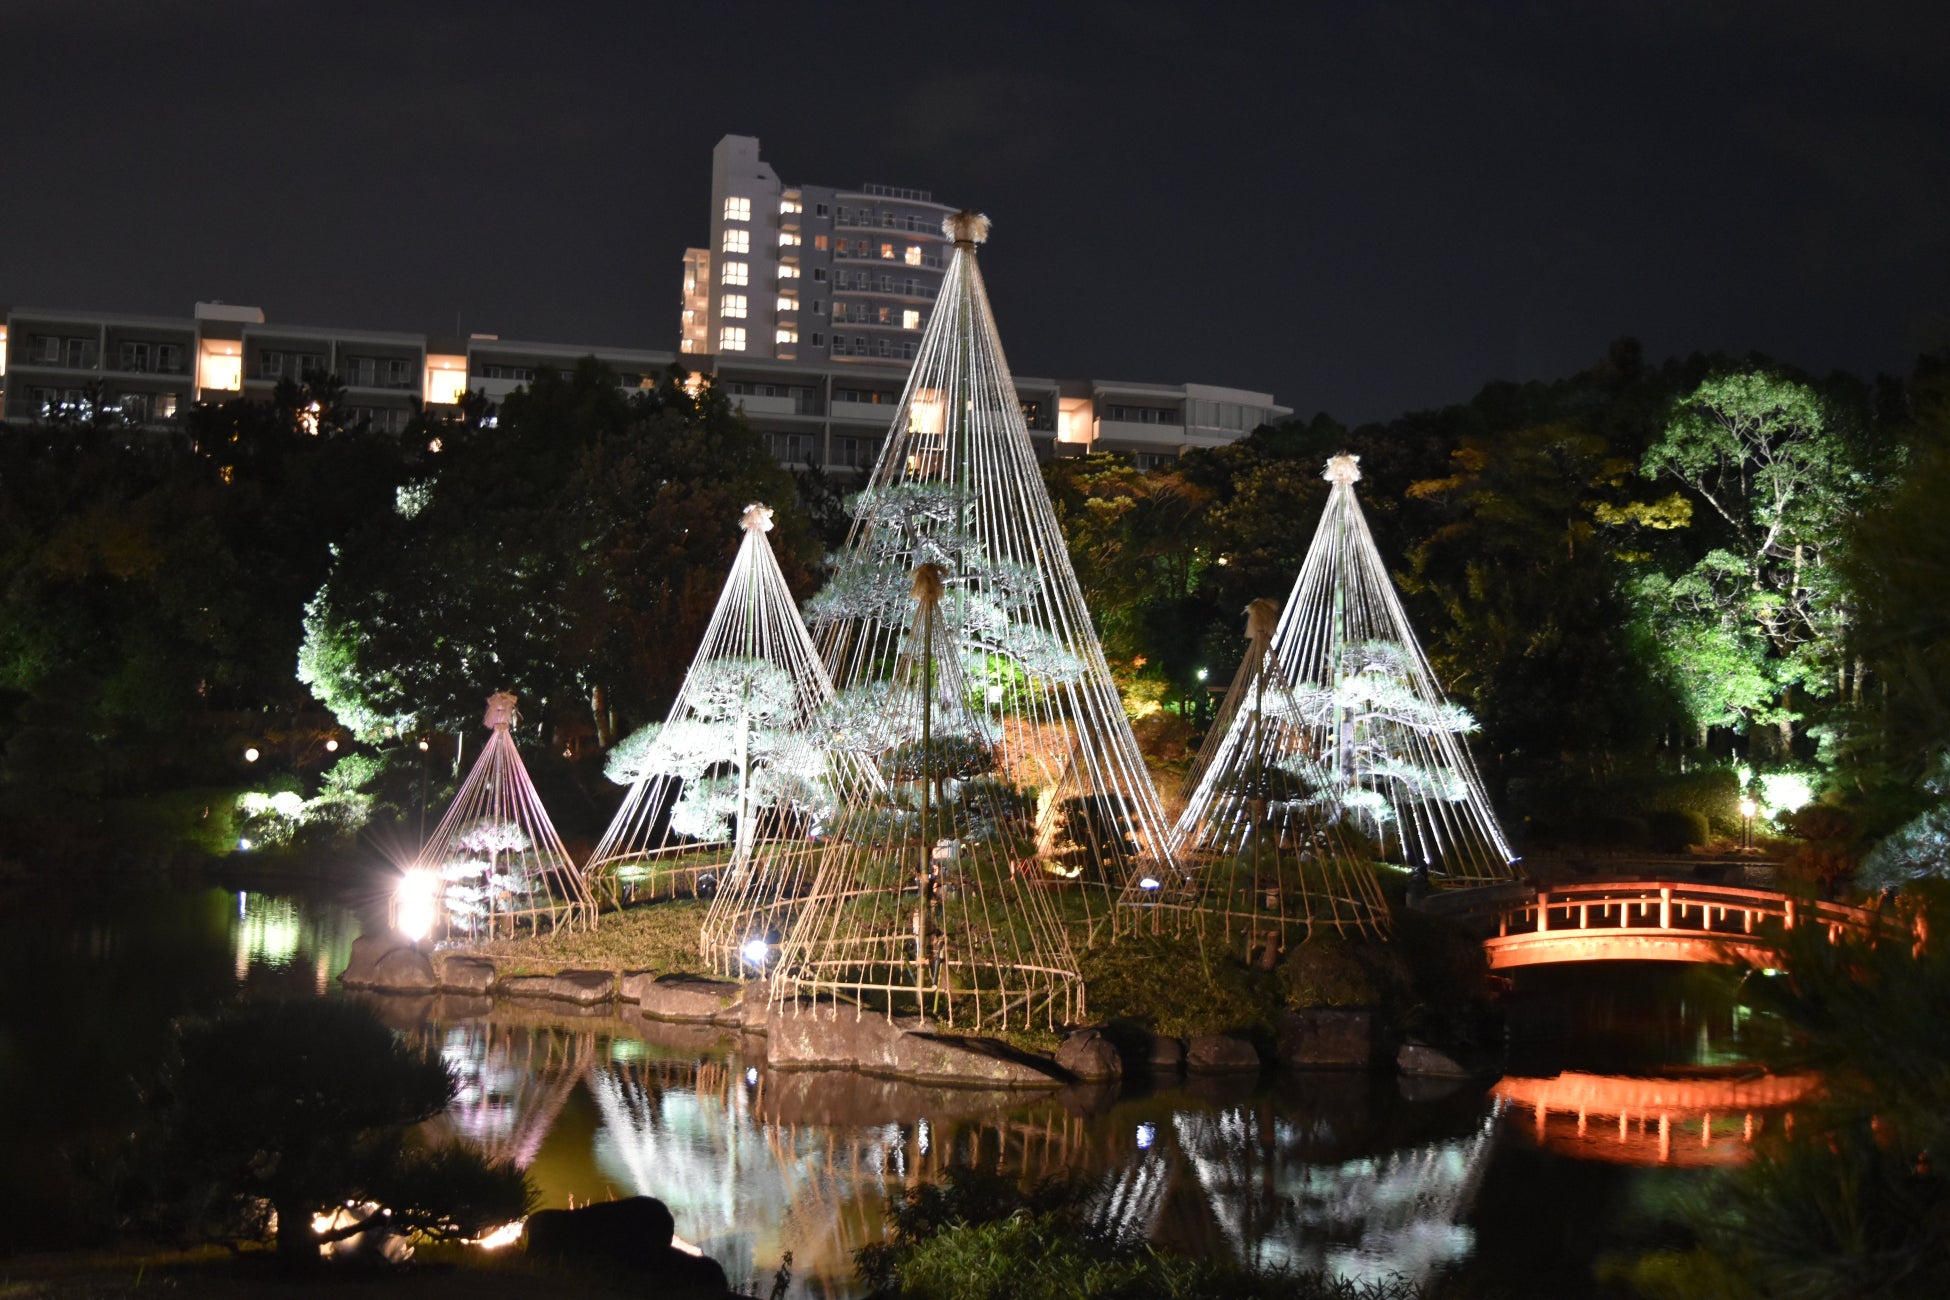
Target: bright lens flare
(756, 951)
(413, 900)
(505, 1235)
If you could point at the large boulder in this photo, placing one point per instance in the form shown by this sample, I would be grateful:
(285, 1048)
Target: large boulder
(1087, 1054)
(804, 1035)
(755, 1005)
(635, 1233)
(1220, 1054)
(1163, 1054)
(460, 973)
(367, 949)
(1420, 1060)
(1327, 1038)
(684, 997)
(582, 987)
(404, 970)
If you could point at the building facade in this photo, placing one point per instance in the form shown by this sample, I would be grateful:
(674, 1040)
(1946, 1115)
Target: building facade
(806, 307)
(831, 415)
(810, 273)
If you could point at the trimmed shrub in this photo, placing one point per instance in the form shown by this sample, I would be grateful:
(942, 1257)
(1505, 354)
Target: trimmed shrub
(1674, 830)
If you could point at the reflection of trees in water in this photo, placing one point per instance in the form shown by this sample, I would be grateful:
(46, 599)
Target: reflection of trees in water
(1395, 1213)
(281, 933)
(513, 1081)
(753, 1163)
(687, 1132)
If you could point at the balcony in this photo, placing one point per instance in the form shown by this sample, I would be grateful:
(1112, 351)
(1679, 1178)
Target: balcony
(755, 405)
(1145, 434)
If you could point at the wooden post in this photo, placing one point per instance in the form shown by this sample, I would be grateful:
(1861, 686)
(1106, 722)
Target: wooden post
(1665, 910)
(1543, 912)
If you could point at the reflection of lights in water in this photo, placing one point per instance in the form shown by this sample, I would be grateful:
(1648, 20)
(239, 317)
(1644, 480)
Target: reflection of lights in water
(1147, 1133)
(1366, 1219)
(751, 1075)
(923, 1137)
(269, 931)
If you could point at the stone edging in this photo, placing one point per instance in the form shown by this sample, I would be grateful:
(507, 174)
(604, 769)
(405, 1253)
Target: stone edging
(808, 1036)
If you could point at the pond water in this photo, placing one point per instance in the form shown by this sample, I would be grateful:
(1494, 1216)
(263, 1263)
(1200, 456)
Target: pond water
(1518, 1187)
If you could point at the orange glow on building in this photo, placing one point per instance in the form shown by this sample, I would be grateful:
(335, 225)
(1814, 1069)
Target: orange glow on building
(220, 366)
(446, 379)
(1076, 420)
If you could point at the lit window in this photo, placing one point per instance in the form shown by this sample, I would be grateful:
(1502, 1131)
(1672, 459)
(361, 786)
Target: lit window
(789, 239)
(819, 242)
(737, 241)
(733, 306)
(788, 206)
(913, 254)
(736, 273)
(788, 302)
(887, 252)
(736, 209)
(910, 320)
(731, 338)
(787, 335)
(788, 272)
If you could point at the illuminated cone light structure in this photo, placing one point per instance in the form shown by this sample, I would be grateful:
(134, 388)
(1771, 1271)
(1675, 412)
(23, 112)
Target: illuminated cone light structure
(927, 892)
(957, 485)
(1034, 736)
(1335, 747)
(731, 754)
(494, 865)
(1268, 862)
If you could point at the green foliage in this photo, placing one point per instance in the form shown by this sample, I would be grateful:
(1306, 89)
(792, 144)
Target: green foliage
(145, 588)
(1763, 612)
(571, 552)
(1899, 566)
(1210, 990)
(977, 1235)
(299, 1107)
(1674, 830)
(1856, 1202)
(1328, 971)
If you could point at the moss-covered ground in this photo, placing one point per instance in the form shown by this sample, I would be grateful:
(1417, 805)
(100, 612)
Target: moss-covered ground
(660, 937)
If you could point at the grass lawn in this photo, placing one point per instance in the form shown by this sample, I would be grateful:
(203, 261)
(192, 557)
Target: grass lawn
(660, 937)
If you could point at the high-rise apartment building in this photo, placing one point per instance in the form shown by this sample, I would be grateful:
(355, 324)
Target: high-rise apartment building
(810, 273)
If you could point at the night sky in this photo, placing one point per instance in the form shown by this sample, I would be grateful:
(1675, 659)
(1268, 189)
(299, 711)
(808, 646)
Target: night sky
(1365, 207)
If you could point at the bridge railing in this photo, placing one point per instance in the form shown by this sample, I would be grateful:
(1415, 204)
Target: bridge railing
(1664, 906)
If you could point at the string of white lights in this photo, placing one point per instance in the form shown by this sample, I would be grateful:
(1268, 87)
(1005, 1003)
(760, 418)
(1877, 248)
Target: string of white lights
(494, 865)
(1269, 861)
(730, 762)
(1376, 740)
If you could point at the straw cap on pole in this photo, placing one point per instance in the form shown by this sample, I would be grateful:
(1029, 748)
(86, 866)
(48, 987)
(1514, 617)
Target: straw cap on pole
(1343, 469)
(966, 228)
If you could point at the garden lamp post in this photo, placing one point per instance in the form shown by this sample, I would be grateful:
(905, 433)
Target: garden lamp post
(1747, 810)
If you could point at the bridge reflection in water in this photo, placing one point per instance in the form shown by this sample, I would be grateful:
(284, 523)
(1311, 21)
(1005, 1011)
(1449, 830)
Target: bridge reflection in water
(1703, 1119)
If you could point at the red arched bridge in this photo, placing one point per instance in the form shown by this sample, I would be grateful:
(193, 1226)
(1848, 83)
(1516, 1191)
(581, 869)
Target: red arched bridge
(1651, 920)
